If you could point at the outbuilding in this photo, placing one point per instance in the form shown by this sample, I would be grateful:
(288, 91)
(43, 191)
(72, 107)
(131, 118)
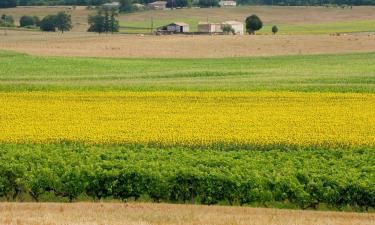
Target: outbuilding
(238, 27)
(206, 27)
(178, 27)
(227, 3)
(157, 5)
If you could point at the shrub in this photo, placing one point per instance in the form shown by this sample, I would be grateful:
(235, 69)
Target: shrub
(6, 21)
(27, 21)
(227, 29)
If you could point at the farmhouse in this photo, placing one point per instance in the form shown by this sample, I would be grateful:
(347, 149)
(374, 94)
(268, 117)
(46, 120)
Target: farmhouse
(157, 5)
(237, 26)
(205, 27)
(177, 27)
(227, 3)
(111, 5)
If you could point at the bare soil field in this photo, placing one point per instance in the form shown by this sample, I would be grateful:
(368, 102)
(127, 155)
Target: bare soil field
(180, 46)
(163, 214)
(269, 14)
(79, 14)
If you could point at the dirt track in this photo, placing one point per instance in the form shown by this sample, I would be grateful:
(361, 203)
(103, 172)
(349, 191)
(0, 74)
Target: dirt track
(167, 214)
(93, 45)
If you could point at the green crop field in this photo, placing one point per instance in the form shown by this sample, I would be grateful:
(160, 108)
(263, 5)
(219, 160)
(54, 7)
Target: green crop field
(328, 73)
(52, 105)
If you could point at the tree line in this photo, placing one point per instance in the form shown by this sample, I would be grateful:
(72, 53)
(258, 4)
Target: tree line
(186, 3)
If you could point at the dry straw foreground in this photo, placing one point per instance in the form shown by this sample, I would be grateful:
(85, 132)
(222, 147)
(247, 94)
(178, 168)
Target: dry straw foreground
(167, 214)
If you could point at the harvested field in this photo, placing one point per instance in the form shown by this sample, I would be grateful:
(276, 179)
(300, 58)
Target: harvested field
(269, 15)
(131, 46)
(163, 214)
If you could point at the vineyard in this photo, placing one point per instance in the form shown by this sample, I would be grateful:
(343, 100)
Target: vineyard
(291, 131)
(304, 178)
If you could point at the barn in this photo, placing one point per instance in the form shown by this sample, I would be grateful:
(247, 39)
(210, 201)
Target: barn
(178, 27)
(205, 27)
(157, 5)
(227, 3)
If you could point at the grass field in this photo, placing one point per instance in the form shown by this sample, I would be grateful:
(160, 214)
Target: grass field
(326, 73)
(146, 214)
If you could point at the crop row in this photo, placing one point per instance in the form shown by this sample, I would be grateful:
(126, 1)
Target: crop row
(189, 118)
(303, 178)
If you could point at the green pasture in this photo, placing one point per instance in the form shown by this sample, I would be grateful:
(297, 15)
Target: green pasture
(334, 73)
(323, 28)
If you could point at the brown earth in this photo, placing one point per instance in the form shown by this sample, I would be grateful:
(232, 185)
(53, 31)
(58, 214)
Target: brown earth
(128, 46)
(269, 14)
(167, 214)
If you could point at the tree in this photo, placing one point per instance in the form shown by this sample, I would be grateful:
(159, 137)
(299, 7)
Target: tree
(208, 3)
(96, 23)
(114, 25)
(27, 21)
(63, 22)
(179, 3)
(8, 3)
(48, 23)
(126, 6)
(253, 23)
(274, 29)
(105, 21)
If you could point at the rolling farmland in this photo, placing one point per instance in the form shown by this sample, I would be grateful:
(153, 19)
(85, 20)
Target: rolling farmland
(142, 129)
(244, 131)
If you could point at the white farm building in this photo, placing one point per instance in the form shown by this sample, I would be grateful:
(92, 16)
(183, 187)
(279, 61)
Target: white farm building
(212, 28)
(238, 27)
(227, 3)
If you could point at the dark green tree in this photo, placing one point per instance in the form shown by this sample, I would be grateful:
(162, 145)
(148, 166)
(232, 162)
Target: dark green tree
(104, 21)
(253, 23)
(275, 29)
(63, 22)
(126, 6)
(208, 3)
(48, 23)
(8, 3)
(114, 25)
(96, 23)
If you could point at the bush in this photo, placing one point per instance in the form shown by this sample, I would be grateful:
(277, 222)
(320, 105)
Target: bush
(227, 29)
(27, 21)
(6, 21)
(253, 23)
